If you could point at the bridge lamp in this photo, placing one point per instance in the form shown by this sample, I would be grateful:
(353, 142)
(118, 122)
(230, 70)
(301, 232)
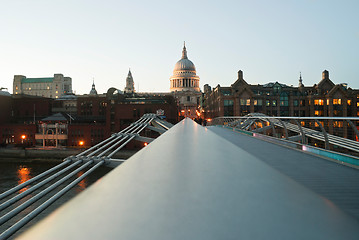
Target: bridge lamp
(81, 143)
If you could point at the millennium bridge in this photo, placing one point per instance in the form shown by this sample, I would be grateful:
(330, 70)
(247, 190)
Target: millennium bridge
(250, 177)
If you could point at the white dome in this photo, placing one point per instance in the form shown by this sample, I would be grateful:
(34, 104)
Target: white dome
(184, 76)
(184, 65)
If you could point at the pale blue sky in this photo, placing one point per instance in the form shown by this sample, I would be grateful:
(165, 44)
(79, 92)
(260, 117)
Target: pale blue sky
(270, 40)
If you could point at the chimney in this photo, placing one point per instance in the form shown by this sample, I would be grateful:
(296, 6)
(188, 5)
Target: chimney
(325, 75)
(240, 75)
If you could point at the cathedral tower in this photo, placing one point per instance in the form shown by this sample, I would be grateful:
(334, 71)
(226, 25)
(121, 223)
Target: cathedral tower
(130, 86)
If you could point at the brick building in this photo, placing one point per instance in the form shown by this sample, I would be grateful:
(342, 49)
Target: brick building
(77, 120)
(324, 99)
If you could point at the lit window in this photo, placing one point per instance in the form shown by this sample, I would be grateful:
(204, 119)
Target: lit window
(57, 96)
(319, 102)
(274, 103)
(48, 87)
(349, 102)
(357, 104)
(57, 91)
(337, 101)
(248, 102)
(29, 88)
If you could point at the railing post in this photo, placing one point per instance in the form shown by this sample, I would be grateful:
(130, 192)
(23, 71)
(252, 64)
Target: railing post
(301, 131)
(324, 133)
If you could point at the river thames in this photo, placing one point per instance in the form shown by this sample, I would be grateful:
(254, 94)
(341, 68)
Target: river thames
(12, 174)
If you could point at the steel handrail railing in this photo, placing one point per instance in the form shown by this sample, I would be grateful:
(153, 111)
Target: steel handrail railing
(318, 135)
(105, 146)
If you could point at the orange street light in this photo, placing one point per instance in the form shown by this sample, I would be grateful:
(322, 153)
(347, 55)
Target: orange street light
(146, 144)
(81, 143)
(23, 137)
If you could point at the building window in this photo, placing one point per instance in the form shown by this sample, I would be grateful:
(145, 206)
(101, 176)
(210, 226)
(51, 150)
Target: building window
(283, 99)
(337, 124)
(349, 102)
(244, 101)
(267, 103)
(319, 102)
(318, 113)
(276, 88)
(228, 108)
(274, 103)
(295, 103)
(337, 101)
(188, 98)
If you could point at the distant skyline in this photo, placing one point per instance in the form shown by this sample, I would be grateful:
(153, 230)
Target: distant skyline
(268, 40)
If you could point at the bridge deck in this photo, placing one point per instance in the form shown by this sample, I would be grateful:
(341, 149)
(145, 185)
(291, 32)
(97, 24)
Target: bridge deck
(333, 181)
(191, 184)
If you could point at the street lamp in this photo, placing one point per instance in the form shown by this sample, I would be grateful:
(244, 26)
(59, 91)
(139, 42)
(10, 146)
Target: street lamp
(81, 143)
(23, 137)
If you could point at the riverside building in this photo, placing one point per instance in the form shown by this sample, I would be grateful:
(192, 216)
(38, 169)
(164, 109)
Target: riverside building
(324, 99)
(50, 87)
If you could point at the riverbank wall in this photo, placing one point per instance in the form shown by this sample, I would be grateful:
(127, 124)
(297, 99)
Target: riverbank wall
(48, 155)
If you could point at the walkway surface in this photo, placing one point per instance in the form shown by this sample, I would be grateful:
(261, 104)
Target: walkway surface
(190, 183)
(333, 181)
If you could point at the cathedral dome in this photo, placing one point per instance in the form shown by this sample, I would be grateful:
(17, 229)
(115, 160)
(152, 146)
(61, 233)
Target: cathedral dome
(184, 76)
(184, 65)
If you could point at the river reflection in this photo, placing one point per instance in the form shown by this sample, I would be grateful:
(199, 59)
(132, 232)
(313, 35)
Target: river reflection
(12, 174)
(23, 174)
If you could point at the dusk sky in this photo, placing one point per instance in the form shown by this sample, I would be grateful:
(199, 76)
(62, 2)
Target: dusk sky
(269, 40)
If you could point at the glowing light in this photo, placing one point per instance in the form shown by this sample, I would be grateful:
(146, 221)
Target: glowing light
(23, 174)
(145, 144)
(81, 143)
(23, 137)
(209, 119)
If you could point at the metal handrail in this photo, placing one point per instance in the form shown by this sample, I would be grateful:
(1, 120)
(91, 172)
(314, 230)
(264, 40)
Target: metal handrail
(322, 135)
(95, 154)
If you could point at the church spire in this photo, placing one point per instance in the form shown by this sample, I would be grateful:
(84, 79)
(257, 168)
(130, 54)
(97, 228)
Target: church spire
(184, 51)
(300, 80)
(93, 89)
(130, 85)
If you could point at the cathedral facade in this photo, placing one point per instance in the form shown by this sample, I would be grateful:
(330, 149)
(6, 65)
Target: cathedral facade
(184, 85)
